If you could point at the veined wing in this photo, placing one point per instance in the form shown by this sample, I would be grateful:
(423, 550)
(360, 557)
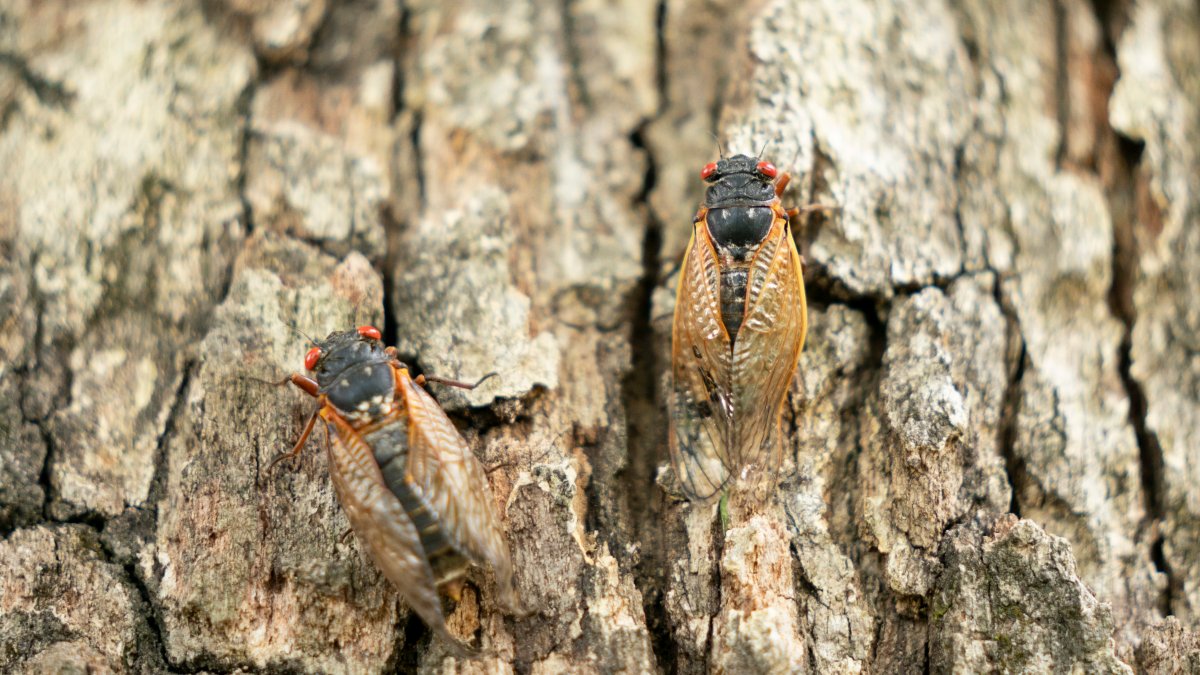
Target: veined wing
(454, 484)
(382, 524)
(701, 404)
(767, 348)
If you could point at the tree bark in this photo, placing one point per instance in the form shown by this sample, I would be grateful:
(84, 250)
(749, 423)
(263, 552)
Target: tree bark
(993, 437)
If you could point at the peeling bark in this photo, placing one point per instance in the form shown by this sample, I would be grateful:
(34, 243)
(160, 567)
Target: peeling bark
(991, 441)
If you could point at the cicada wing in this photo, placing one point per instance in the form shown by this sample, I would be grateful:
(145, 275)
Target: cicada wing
(767, 348)
(383, 526)
(454, 484)
(700, 401)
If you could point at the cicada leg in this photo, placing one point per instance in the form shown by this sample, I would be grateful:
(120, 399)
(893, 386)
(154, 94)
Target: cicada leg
(310, 387)
(259, 380)
(796, 211)
(782, 183)
(312, 421)
(422, 379)
(306, 384)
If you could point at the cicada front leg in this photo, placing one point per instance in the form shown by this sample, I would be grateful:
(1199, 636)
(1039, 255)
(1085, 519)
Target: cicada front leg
(310, 387)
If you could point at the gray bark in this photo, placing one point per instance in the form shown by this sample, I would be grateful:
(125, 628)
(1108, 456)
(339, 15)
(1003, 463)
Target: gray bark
(993, 437)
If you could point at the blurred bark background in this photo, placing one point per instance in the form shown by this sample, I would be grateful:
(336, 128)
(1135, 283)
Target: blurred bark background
(994, 432)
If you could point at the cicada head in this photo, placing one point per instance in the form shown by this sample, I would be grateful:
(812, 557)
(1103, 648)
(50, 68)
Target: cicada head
(739, 181)
(354, 371)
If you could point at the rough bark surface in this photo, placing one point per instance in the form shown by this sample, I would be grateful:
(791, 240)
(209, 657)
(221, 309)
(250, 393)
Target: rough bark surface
(993, 437)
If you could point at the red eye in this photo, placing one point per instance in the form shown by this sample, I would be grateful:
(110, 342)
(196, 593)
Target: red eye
(370, 332)
(310, 359)
(767, 169)
(708, 170)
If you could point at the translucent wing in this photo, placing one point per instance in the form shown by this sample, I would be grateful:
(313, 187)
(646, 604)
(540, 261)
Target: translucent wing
(454, 484)
(382, 525)
(700, 402)
(767, 348)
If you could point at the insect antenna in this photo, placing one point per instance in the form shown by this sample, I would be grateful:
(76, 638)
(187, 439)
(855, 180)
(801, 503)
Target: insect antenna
(302, 334)
(764, 148)
(720, 149)
(280, 383)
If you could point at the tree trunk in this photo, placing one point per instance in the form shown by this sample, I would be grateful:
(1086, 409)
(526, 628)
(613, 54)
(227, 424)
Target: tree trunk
(993, 437)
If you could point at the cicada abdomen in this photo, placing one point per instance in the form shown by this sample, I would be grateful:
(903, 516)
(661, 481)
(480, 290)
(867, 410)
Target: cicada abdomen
(415, 495)
(740, 320)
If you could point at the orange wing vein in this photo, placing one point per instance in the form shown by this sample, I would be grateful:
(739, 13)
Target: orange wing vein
(725, 401)
(701, 404)
(381, 523)
(454, 484)
(767, 349)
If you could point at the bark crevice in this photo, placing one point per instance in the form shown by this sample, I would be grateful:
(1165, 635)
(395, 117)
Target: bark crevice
(1123, 198)
(1014, 465)
(1118, 163)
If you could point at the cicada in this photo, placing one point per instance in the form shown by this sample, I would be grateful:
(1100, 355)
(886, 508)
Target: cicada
(739, 326)
(415, 495)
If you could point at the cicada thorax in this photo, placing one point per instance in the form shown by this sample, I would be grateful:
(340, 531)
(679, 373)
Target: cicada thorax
(737, 234)
(740, 208)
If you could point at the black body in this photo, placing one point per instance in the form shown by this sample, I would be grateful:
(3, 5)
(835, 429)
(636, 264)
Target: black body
(355, 374)
(733, 298)
(739, 202)
(354, 370)
(739, 228)
(389, 444)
